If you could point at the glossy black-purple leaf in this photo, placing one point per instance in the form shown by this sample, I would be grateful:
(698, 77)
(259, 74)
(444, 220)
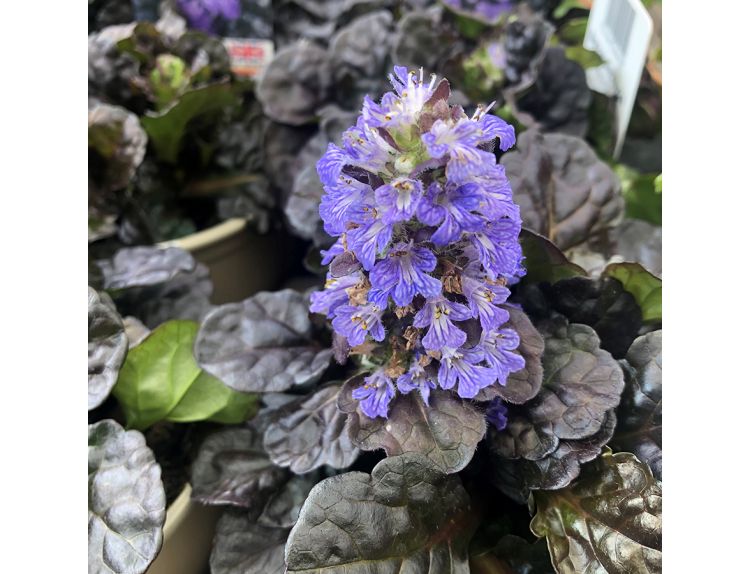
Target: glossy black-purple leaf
(309, 433)
(126, 501)
(423, 39)
(145, 266)
(523, 437)
(514, 555)
(639, 414)
(302, 206)
(516, 478)
(232, 468)
(262, 344)
(117, 145)
(359, 57)
(447, 431)
(524, 384)
(282, 508)
(407, 516)
(608, 522)
(565, 191)
(581, 383)
(296, 83)
(543, 261)
(108, 345)
(559, 98)
(603, 304)
(241, 545)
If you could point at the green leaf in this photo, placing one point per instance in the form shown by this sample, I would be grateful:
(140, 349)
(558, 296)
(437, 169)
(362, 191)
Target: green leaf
(160, 380)
(641, 284)
(406, 517)
(642, 193)
(166, 130)
(573, 31)
(608, 522)
(544, 261)
(586, 58)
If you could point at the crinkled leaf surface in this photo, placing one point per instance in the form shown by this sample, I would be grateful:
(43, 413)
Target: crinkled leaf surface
(639, 427)
(241, 545)
(282, 508)
(423, 39)
(565, 192)
(608, 522)
(645, 287)
(581, 383)
(516, 478)
(406, 517)
(160, 380)
(524, 384)
(602, 304)
(639, 241)
(144, 266)
(261, 344)
(108, 345)
(544, 261)
(447, 432)
(167, 129)
(311, 433)
(126, 501)
(232, 468)
(302, 207)
(296, 83)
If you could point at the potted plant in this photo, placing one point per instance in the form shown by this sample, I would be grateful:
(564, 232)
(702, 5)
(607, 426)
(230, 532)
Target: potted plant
(470, 392)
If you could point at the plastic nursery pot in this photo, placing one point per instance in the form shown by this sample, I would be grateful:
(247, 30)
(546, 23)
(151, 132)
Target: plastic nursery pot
(188, 536)
(241, 261)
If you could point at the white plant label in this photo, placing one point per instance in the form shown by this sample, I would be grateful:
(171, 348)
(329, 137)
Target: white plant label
(249, 57)
(620, 32)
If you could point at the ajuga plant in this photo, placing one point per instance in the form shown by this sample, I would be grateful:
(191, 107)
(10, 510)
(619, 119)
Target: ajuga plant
(459, 397)
(175, 139)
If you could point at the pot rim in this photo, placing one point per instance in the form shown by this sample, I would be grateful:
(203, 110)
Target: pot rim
(212, 235)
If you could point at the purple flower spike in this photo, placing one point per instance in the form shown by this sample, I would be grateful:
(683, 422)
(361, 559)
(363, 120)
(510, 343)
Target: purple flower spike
(201, 14)
(404, 273)
(375, 395)
(426, 218)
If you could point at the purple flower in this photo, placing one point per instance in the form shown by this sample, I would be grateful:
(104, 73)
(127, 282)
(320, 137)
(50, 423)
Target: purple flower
(341, 202)
(399, 199)
(334, 250)
(404, 272)
(483, 299)
(330, 165)
(438, 314)
(370, 237)
(366, 148)
(334, 295)
(497, 414)
(201, 14)
(451, 209)
(462, 366)
(498, 249)
(355, 322)
(375, 395)
(497, 347)
(418, 378)
(459, 142)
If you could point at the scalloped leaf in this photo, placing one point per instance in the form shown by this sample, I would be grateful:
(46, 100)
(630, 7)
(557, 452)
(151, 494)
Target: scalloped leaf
(609, 521)
(108, 346)
(126, 501)
(639, 414)
(407, 516)
(262, 344)
(447, 432)
(310, 432)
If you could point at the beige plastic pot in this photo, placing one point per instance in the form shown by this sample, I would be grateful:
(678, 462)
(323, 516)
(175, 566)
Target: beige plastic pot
(241, 261)
(188, 536)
